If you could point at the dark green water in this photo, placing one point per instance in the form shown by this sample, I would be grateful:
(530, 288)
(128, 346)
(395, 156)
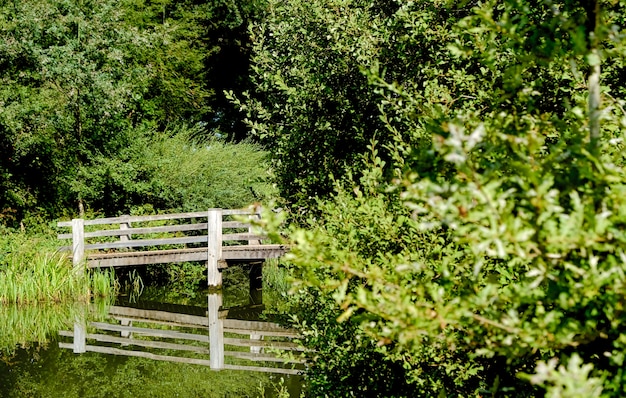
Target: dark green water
(52, 369)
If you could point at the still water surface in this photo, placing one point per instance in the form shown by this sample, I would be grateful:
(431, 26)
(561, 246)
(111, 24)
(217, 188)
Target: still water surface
(150, 346)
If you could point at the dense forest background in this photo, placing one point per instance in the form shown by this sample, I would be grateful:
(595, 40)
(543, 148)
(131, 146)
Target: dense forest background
(99, 100)
(453, 171)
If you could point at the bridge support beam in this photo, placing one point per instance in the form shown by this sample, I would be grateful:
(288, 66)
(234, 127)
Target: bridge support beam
(214, 247)
(256, 282)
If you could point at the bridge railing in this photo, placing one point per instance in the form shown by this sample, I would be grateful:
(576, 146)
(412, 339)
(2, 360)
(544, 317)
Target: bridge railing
(168, 238)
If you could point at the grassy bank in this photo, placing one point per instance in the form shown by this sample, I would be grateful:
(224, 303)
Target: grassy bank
(33, 271)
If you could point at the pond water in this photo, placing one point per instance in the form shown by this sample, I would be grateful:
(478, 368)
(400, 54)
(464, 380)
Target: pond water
(150, 345)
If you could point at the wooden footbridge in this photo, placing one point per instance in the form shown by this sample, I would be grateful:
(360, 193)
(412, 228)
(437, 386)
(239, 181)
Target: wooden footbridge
(218, 237)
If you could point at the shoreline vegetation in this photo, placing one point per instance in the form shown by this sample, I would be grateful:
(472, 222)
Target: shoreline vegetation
(34, 272)
(40, 293)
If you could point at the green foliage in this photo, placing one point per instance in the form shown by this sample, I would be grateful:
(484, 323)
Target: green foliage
(176, 172)
(84, 81)
(310, 103)
(571, 381)
(172, 88)
(483, 237)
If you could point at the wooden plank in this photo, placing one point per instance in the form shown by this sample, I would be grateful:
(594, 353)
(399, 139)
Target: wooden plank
(141, 230)
(78, 244)
(251, 228)
(168, 334)
(239, 212)
(263, 357)
(165, 323)
(234, 224)
(263, 369)
(169, 358)
(168, 229)
(104, 338)
(148, 343)
(216, 331)
(237, 253)
(141, 314)
(146, 257)
(278, 345)
(260, 252)
(140, 354)
(147, 242)
(268, 328)
(159, 229)
(244, 236)
(157, 217)
(125, 226)
(79, 336)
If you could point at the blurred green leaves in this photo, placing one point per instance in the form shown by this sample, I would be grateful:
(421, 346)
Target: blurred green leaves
(474, 229)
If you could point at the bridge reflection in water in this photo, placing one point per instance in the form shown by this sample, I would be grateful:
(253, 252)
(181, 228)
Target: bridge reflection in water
(213, 336)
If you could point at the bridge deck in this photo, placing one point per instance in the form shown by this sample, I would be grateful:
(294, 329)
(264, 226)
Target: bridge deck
(244, 253)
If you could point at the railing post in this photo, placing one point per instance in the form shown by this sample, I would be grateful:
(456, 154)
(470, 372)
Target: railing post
(216, 332)
(256, 282)
(124, 225)
(214, 247)
(78, 244)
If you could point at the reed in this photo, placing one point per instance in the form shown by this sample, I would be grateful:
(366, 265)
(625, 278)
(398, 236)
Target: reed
(33, 271)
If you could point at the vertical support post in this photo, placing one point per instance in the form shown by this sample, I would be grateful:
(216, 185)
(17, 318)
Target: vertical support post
(256, 283)
(214, 247)
(80, 338)
(123, 226)
(216, 332)
(78, 244)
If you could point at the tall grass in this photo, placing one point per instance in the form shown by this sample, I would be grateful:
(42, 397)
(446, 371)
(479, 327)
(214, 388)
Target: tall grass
(33, 271)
